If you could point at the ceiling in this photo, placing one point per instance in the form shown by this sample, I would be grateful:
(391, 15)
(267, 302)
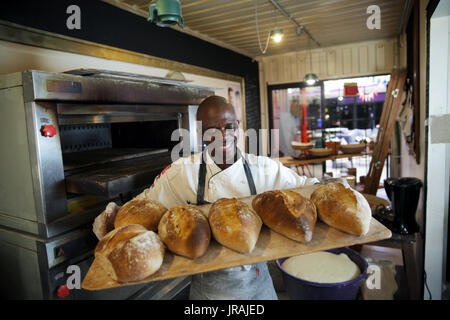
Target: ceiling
(232, 24)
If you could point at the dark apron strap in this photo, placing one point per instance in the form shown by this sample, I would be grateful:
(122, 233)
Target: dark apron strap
(202, 180)
(201, 183)
(248, 174)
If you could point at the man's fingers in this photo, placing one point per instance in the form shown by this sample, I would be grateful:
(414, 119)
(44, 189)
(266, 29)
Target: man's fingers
(99, 226)
(111, 207)
(105, 221)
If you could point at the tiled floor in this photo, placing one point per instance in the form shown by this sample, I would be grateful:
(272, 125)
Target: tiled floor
(394, 256)
(382, 253)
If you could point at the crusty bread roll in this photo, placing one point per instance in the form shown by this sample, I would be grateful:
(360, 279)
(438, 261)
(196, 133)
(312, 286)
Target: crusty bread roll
(234, 224)
(145, 212)
(342, 208)
(130, 253)
(288, 213)
(185, 231)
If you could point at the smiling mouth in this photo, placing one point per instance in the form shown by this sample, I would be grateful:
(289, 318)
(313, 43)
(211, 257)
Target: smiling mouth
(227, 147)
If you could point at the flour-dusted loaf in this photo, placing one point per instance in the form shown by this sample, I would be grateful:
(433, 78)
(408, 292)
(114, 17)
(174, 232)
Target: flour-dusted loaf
(343, 208)
(130, 253)
(234, 224)
(143, 211)
(185, 230)
(288, 213)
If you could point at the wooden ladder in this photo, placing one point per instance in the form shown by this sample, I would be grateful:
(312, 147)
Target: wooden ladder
(391, 109)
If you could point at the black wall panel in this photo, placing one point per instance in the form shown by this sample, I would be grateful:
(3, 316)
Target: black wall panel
(105, 24)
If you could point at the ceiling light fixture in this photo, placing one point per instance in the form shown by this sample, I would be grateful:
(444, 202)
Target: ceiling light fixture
(166, 13)
(276, 34)
(310, 78)
(300, 29)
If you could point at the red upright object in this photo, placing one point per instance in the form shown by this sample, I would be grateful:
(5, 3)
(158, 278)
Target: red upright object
(304, 125)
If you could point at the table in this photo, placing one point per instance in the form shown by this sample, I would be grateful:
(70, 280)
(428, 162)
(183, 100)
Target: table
(291, 161)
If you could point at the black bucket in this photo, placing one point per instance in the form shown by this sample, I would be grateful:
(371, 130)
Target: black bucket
(299, 289)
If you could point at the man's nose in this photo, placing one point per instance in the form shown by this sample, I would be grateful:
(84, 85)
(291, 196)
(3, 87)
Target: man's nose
(227, 133)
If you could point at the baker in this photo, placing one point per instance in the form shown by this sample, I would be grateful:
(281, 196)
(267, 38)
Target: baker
(220, 172)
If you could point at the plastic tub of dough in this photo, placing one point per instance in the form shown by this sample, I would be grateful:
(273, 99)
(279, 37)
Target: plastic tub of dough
(300, 289)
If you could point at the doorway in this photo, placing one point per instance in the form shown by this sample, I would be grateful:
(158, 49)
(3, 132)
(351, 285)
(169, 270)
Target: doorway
(295, 110)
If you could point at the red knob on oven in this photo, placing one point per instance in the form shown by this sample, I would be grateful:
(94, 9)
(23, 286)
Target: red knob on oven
(63, 291)
(48, 130)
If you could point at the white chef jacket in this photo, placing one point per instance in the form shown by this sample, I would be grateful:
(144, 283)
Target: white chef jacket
(178, 184)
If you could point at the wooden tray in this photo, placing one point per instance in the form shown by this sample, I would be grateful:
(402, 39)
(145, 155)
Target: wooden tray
(302, 146)
(271, 245)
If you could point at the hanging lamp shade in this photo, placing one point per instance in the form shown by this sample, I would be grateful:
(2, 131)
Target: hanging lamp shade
(311, 79)
(166, 13)
(276, 34)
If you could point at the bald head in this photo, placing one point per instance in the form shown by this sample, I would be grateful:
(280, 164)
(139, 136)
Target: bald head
(213, 106)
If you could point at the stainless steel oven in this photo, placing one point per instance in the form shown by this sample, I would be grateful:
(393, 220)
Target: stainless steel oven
(70, 144)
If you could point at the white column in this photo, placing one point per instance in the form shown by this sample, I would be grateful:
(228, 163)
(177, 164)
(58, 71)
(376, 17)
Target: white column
(438, 165)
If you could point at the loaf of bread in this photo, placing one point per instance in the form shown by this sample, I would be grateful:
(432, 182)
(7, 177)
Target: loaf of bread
(145, 212)
(234, 224)
(342, 208)
(130, 253)
(185, 231)
(288, 213)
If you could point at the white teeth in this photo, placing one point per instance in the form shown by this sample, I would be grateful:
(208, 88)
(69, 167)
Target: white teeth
(228, 146)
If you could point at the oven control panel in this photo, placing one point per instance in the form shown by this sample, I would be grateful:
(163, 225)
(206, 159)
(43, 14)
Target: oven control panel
(75, 247)
(70, 245)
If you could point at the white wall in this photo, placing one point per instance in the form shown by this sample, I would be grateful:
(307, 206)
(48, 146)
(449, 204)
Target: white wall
(409, 166)
(438, 166)
(17, 57)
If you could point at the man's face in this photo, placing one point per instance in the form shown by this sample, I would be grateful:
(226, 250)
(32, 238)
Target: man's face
(221, 123)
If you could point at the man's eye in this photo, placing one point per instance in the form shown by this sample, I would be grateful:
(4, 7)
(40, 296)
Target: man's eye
(213, 132)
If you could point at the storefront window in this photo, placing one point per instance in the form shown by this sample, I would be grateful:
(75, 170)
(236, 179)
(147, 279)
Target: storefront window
(295, 110)
(362, 111)
(323, 112)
